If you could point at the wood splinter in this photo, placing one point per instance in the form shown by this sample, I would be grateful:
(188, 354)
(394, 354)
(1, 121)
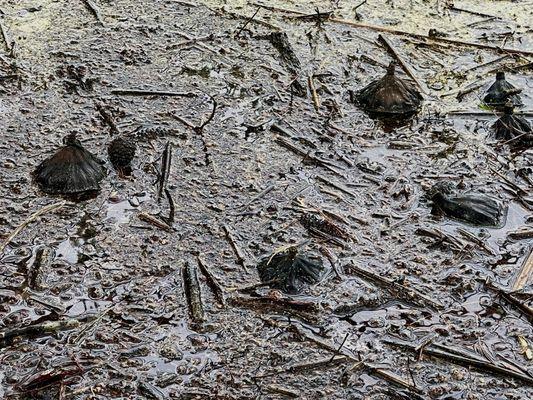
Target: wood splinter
(193, 293)
(95, 10)
(212, 281)
(236, 249)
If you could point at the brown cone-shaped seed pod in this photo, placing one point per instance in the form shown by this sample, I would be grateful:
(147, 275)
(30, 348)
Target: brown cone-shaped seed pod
(72, 170)
(473, 208)
(502, 92)
(510, 126)
(390, 95)
(121, 152)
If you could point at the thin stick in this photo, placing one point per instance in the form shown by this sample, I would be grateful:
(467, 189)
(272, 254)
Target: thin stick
(185, 3)
(295, 149)
(336, 185)
(202, 45)
(247, 22)
(485, 114)
(212, 281)
(32, 218)
(469, 360)
(142, 92)
(324, 344)
(463, 92)
(359, 5)
(402, 290)
(260, 195)
(512, 300)
(406, 67)
(210, 118)
(314, 94)
(183, 120)
(286, 392)
(319, 364)
(154, 221)
(166, 161)
(302, 309)
(9, 43)
(200, 128)
(236, 249)
(477, 241)
(94, 9)
(526, 273)
(81, 335)
(393, 378)
(340, 347)
(108, 119)
(509, 182)
(452, 7)
(172, 208)
(487, 63)
(35, 330)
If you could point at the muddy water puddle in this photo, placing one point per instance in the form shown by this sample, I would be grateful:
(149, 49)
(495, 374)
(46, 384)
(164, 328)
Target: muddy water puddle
(240, 186)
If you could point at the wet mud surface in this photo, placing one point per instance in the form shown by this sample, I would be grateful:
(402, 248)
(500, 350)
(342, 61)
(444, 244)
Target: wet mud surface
(113, 267)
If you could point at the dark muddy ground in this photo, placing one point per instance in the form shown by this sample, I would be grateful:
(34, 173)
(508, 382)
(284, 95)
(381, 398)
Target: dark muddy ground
(239, 193)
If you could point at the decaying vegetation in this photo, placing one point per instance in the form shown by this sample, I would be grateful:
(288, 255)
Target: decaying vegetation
(230, 138)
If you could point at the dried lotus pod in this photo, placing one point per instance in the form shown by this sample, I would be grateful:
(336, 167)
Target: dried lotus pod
(502, 92)
(71, 170)
(121, 152)
(290, 271)
(390, 95)
(514, 128)
(476, 209)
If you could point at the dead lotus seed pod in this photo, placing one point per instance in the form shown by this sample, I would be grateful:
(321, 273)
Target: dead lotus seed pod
(290, 271)
(71, 170)
(390, 95)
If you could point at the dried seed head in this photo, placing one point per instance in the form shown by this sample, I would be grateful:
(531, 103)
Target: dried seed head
(290, 271)
(121, 152)
(390, 95)
(71, 170)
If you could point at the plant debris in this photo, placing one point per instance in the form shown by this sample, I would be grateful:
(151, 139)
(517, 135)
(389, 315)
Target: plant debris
(290, 271)
(512, 128)
(473, 208)
(121, 153)
(72, 170)
(390, 95)
(501, 92)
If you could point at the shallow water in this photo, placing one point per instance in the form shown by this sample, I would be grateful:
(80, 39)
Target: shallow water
(121, 276)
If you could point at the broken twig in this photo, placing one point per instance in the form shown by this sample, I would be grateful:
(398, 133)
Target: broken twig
(28, 221)
(166, 161)
(406, 67)
(37, 330)
(236, 249)
(95, 10)
(432, 40)
(142, 92)
(464, 357)
(526, 273)
(193, 292)
(212, 281)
